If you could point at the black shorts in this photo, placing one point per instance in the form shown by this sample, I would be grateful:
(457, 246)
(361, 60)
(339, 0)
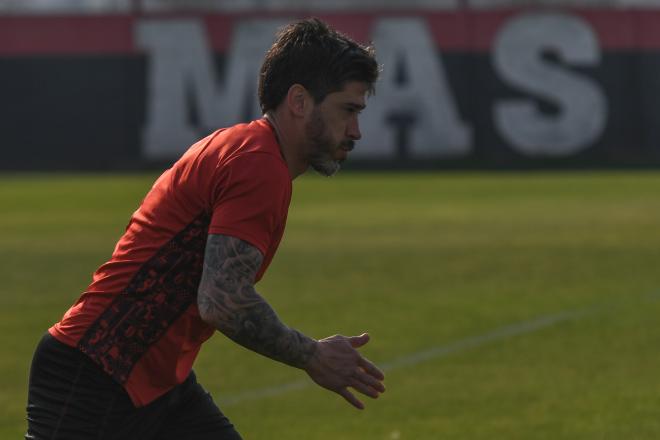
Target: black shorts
(70, 397)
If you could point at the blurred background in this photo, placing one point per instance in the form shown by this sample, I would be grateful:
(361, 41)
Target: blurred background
(121, 84)
(497, 231)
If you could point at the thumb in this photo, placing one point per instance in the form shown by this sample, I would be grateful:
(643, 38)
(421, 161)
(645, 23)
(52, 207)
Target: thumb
(359, 341)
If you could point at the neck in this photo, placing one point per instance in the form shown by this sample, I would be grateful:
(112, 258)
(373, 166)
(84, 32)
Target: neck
(288, 147)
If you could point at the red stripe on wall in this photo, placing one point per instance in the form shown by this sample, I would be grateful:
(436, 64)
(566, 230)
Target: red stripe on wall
(50, 35)
(450, 30)
(219, 29)
(615, 30)
(648, 30)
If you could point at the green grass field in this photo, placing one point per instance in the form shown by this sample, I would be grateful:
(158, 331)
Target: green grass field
(506, 305)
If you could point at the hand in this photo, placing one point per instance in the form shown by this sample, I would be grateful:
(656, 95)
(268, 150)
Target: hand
(337, 365)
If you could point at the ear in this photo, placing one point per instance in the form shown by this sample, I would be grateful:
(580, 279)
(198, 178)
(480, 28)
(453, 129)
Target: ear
(298, 100)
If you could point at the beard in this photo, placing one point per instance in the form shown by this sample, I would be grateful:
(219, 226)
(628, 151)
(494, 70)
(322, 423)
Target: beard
(324, 164)
(322, 147)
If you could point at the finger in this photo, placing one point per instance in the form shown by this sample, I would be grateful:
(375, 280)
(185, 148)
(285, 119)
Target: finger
(359, 341)
(350, 398)
(364, 388)
(370, 381)
(370, 368)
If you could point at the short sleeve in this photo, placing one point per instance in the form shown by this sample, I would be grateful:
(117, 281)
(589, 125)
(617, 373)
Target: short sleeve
(252, 200)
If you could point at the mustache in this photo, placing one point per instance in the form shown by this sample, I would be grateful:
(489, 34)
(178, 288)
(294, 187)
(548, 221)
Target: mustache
(348, 145)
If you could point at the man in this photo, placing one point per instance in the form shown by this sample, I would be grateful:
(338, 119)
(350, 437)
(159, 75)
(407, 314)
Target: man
(119, 363)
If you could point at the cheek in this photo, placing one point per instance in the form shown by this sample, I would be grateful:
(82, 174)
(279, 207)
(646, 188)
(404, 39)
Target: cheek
(340, 127)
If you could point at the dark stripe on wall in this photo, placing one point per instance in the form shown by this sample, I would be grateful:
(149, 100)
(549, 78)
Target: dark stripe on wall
(71, 112)
(88, 113)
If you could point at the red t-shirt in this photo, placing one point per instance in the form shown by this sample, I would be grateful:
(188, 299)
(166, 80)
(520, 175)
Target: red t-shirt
(138, 319)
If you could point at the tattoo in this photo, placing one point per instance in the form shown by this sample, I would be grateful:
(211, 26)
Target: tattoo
(227, 299)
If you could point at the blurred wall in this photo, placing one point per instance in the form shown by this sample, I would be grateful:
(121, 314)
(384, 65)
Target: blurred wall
(95, 6)
(503, 87)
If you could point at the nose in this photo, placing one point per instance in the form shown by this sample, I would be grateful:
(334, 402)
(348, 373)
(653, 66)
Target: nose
(353, 129)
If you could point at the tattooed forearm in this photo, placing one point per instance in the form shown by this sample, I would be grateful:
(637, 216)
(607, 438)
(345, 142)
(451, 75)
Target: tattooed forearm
(228, 300)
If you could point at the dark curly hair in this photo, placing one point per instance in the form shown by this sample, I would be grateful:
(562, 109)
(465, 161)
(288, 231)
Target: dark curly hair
(311, 54)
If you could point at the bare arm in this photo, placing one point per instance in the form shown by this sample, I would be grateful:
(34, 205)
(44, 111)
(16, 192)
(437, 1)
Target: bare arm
(228, 301)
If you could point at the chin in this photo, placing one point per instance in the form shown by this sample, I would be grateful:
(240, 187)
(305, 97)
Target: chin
(327, 168)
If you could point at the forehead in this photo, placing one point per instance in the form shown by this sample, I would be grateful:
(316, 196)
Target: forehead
(353, 92)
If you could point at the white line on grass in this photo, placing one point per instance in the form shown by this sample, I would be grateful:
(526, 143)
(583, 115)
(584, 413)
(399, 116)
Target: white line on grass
(411, 359)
